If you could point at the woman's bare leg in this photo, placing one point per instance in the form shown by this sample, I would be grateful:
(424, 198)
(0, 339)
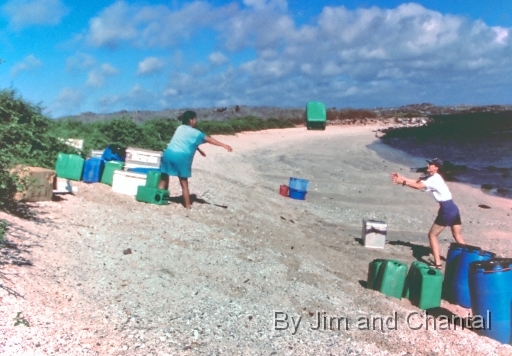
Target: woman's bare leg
(457, 234)
(434, 232)
(185, 192)
(164, 181)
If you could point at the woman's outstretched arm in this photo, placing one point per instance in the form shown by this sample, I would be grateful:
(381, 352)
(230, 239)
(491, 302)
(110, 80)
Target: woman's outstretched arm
(399, 179)
(218, 143)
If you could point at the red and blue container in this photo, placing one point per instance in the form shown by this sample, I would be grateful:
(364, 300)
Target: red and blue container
(298, 188)
(490, 285)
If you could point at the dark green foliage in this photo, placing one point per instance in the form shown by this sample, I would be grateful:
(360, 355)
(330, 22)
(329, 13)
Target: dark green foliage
(215, 127)
(249, 123)
(3, 229)
(157, 133)
(350, 114)
(26, 138)
(459, 127)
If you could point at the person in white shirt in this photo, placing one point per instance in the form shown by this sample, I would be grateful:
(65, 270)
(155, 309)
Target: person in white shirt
(448, 214)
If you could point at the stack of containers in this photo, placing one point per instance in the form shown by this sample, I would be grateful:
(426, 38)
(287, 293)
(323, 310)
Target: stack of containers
(298, 188)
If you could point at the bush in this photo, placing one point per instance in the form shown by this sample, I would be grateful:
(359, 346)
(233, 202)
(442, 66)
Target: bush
(3, 229)
(26, 138)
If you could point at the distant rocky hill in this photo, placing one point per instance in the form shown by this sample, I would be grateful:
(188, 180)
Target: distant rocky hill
(292, 114)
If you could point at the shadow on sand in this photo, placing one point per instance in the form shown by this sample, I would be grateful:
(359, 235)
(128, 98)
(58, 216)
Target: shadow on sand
(193, 199)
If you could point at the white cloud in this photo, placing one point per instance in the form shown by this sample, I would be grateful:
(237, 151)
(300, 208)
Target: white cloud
(98, 76)
(371, 56)
(68, 100)
(137, 98)
(150, 65)
(217, 58)
(80, 61)
(169, 92)
(281, 5)
(151, 26)
(22, 13)
(30, 62)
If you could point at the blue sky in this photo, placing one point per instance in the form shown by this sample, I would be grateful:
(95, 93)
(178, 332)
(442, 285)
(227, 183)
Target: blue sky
(105, 56)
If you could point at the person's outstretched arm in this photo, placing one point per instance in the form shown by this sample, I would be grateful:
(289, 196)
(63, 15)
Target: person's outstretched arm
(218, 143)
(399, 179)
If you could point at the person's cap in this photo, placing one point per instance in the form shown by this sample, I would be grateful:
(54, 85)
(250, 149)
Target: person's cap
(187, 116)
(436, 162)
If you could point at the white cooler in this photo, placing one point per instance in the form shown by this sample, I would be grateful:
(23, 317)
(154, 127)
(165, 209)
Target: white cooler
(127, 182)
(374, 233)
(139, 157)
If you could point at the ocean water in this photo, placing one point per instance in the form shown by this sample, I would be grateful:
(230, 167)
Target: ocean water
(477, 148)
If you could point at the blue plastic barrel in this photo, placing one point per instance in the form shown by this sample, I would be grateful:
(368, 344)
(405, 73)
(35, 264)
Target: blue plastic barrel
(461, 276)
(93, 168)
(452, 260)
(490, 285)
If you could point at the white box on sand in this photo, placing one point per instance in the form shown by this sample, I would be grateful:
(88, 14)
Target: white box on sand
(374, 233)
(138, 157)
(127, 182)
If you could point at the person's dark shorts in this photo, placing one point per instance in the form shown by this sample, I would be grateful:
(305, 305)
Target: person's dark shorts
(448, 214)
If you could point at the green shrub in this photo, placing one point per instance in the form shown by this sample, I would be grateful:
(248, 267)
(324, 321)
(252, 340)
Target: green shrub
(3, 230)
(26, 138)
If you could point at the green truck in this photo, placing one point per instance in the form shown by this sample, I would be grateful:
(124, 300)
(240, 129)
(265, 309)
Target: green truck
(316, 116)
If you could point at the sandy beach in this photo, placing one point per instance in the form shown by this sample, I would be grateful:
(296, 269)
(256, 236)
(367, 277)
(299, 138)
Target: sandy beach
(246, 271)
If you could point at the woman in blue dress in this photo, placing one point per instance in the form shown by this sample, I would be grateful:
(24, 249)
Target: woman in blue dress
(179, 154)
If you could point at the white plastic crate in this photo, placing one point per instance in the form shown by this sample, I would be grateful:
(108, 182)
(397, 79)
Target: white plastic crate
(127, 182)
(138, 157)
(97, 153)
(374, 233)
